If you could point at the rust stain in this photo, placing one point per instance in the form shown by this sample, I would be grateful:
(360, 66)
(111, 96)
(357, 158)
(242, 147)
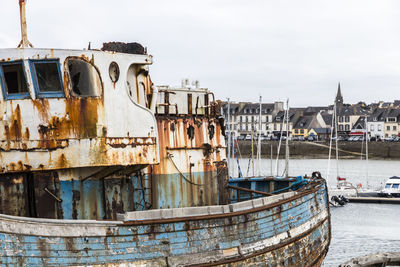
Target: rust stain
(27, 134)
(62, 161)
(42, 107)
(83, 115)
(15, 130)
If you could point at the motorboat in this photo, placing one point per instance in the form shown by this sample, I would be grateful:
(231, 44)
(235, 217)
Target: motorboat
(391, 188)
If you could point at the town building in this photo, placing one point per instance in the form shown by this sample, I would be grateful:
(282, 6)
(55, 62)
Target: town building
(380, 119)
(376, 123)
(280, 124)
(391, 124)
(245, 116)
(305, 124)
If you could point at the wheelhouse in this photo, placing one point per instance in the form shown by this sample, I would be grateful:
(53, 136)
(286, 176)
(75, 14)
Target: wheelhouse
(58, 109)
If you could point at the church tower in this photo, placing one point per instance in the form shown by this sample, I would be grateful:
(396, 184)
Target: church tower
(339, 98)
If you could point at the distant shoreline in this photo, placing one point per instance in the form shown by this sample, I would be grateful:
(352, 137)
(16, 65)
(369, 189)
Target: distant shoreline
(305, 149)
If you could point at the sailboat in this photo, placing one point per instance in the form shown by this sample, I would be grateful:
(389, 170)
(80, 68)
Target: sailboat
(343, 186)
(256, 185)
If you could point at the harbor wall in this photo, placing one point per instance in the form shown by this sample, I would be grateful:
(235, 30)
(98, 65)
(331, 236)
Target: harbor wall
(347, 150)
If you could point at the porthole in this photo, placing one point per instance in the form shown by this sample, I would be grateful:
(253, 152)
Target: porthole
(113, 70)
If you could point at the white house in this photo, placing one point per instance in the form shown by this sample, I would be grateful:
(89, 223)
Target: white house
(376, 123)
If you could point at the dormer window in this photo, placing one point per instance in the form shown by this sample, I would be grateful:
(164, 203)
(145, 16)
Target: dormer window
(46, 76)
(13, 80)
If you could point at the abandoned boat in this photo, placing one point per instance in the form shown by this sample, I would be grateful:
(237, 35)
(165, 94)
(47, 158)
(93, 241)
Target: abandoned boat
(99, 167)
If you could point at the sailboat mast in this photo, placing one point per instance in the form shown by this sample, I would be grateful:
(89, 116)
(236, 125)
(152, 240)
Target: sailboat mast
(287, 140)
(279, 146)
(252, 149)
(366, 146)
(330, 141)
(229, 137)
(337, 150)
(259, 140)
(272, 173)
(233, 147)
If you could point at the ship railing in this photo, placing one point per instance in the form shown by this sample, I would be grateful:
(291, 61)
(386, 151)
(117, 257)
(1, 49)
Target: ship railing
(216, 210)
(167, 105)
(245, 188)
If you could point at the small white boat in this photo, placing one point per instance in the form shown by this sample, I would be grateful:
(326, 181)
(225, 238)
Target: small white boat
(392, 187)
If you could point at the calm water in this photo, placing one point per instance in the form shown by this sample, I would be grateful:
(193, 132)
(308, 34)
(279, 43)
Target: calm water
(357, 229)
(360, 229)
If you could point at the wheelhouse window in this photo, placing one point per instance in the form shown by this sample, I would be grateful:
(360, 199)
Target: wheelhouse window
(388, 185)
(13, 80)
(46, 76)
(84, 77)
(395, 186)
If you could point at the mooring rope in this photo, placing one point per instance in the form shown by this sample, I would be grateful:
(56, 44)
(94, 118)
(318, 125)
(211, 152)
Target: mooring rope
(183, 176)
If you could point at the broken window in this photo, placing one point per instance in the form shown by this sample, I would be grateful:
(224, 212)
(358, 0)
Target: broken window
(47, 78)
(84, 77)
(13, 80)
(138, 85)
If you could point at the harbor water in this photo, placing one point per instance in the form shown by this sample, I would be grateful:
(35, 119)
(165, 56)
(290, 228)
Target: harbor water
(357, 229)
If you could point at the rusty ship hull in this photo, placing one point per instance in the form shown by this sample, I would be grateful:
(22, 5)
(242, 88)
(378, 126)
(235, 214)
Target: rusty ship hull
(289, 229)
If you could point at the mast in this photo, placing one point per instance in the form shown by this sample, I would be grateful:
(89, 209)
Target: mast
(366, 146)
(233, 138)
(252, 149)
(24, 35)
(259, 141)
(279, 146)
(330, 142)
(336, 135)
(287, 140)
(272, 173)
(229, 137)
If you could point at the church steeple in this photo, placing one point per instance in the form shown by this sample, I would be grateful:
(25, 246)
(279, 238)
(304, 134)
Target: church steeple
(339, 97)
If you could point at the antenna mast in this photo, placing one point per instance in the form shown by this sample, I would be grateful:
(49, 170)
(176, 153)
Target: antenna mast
(24, 41)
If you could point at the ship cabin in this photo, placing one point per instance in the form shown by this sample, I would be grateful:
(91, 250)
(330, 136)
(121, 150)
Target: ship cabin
(63, 109)
(76, 129)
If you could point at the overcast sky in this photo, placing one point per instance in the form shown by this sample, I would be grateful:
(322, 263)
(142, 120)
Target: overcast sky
(239, 49)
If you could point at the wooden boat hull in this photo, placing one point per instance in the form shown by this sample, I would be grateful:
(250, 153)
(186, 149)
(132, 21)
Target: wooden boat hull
(289, 229)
